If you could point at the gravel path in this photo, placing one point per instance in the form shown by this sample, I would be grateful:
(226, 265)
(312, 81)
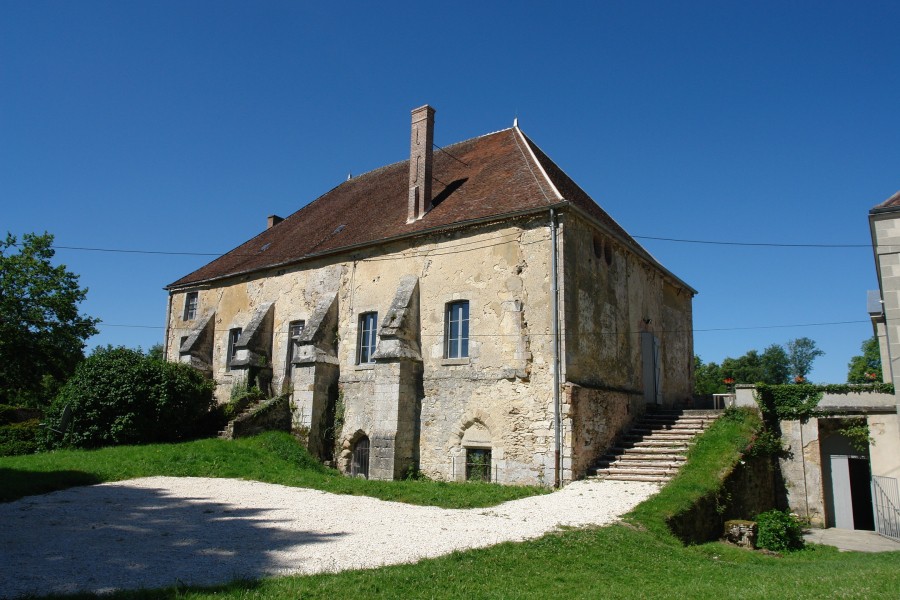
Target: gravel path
(159, 531)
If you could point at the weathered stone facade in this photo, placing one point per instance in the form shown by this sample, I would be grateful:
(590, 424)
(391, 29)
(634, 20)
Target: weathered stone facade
(416, 405)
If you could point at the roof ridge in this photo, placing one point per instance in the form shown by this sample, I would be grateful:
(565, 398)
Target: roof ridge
(534, 158)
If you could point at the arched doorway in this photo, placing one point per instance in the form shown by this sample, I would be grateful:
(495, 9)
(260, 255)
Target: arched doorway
(359, 462)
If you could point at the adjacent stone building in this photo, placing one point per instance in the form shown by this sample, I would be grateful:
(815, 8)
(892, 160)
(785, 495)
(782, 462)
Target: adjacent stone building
(470, 313)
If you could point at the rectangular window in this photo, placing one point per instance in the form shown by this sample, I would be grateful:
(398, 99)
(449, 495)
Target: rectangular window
(478, 464)
(368, 328)
(294, 329)
(233, 336)
(190, 306)
(456, 330)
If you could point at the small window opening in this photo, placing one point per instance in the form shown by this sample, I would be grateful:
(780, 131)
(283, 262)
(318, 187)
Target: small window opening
(598, 247)
(295, 328)
(359, 465)
(456, 330)
(233, 336)
(191, 300)
(368, 329)
(478, 464)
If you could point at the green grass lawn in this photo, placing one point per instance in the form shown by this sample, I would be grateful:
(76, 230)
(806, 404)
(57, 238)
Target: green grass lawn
(636, 559)
(271, 457)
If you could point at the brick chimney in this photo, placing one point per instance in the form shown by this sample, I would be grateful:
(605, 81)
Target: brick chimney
(273, 220)
(420, 160)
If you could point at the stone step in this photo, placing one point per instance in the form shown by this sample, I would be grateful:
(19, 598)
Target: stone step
(653, 426)
(647, 478)
(650, 443)
(637, 466)
(638, 457)
(646, 449)
(612, 470)
(665, 434)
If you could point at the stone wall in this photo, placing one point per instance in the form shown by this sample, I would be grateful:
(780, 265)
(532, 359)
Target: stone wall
(611, 296)
(593, 418)
(747, 491)
(424, 413)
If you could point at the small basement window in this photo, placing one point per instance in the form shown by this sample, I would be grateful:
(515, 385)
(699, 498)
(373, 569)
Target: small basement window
(359, 466)
(478, 464)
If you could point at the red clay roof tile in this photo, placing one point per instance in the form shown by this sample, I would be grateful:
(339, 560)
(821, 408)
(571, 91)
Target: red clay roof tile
(481, 178)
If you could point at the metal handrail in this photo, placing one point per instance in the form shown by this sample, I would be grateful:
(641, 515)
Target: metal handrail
(886, 505)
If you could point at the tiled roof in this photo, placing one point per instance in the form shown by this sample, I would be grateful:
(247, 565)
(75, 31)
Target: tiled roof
(891, 203)
(483, 178)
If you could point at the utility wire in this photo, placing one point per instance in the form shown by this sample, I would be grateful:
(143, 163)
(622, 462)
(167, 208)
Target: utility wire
(639, 237)
(753, 244)
(534, 334)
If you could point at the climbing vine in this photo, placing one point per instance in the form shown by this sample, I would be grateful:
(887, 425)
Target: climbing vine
(857, 432)
(800, 402)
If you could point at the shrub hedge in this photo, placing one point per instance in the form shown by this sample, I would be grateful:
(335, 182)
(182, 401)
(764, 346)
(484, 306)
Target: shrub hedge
(121, 396)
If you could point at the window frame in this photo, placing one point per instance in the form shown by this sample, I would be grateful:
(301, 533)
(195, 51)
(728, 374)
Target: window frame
(456, 344)
(299, 325)
(367, 338)
(191, 306)
(479, 462)
(234, 334)
(359, 458)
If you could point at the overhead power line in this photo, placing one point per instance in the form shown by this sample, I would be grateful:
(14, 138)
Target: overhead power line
(752, 244)
(637, 237)
(533, 333)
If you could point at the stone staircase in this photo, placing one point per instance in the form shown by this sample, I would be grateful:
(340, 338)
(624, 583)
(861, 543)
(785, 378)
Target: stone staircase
(655, 447)
(259, 415)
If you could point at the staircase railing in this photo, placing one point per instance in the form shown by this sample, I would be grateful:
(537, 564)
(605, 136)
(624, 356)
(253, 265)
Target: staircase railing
(886, 502)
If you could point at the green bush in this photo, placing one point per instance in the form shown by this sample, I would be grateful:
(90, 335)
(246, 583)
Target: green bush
(779, 531)
(120, 396)
(20, 438)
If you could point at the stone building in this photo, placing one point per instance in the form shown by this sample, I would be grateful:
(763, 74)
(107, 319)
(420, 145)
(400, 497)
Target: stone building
(469, 312)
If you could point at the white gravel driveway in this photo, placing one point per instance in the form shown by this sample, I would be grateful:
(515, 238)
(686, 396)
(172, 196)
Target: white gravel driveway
(159, 531)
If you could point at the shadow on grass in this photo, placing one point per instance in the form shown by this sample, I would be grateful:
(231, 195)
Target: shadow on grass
(18, 483)
(102, 538)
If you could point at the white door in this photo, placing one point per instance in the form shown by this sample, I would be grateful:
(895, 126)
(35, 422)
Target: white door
(840, 489)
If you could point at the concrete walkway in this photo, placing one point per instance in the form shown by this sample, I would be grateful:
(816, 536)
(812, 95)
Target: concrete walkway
(855, 540)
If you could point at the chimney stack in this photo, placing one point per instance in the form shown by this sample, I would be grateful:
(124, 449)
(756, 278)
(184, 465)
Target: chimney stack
(273, 220)
(421, 153)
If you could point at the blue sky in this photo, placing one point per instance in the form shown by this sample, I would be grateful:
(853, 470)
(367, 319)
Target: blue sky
(179, 126)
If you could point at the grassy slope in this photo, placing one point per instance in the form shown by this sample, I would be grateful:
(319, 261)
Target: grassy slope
(635, 560)
(710, 459)
(271, 457)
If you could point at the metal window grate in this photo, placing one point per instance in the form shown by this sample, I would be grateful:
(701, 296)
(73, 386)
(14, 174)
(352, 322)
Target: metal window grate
(478, 464)
(359, 465)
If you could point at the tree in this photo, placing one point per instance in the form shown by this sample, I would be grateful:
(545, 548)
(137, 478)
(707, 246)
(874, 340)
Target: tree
(746, 369)
(801, 354)
(708, 378)
(775, 365)
(769, 367)
(866, 368)
(122, 396)
(42, 334)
